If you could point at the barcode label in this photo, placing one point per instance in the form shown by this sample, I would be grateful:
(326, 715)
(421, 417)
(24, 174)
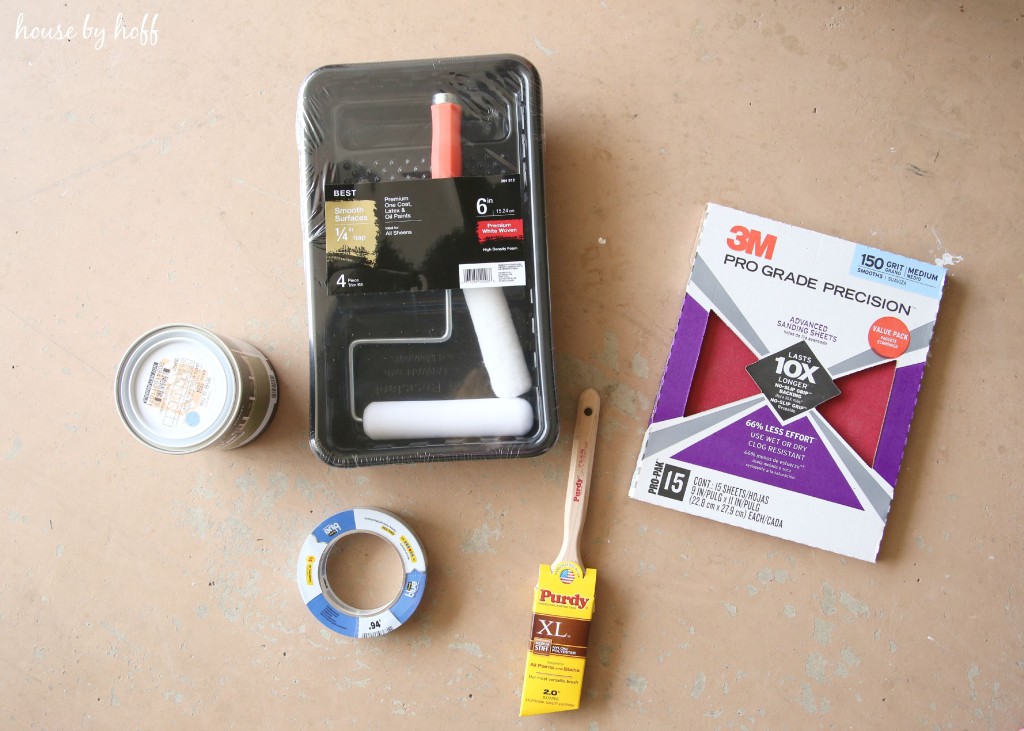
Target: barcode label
(176, 388)
(477, 275)
(498, 274)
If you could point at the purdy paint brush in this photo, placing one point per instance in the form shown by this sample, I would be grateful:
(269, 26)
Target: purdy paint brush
(563, 601)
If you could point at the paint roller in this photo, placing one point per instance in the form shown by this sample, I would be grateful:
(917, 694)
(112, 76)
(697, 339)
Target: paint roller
(488, 308)
(504, 416)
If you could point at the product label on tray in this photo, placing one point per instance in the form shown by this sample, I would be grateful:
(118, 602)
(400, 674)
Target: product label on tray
(414, 235)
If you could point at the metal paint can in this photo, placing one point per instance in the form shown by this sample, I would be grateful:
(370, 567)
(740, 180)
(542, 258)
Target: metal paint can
(181, 388)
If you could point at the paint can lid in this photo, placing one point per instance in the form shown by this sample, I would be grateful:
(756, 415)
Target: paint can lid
(176, 388)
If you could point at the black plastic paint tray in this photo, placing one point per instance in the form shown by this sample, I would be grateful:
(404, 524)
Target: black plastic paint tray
(426, 291)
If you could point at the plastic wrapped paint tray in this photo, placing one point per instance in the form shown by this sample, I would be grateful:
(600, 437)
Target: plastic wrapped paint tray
(387, 282)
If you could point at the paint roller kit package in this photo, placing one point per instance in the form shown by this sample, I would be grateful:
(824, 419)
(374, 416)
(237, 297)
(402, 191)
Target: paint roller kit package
(426, 261)
(790, 385)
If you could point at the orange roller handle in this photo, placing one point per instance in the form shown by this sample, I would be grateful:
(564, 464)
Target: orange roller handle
(446, 140)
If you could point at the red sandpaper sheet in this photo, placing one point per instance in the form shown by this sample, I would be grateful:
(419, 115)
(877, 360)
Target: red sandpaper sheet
(721, 378)
(859, 411)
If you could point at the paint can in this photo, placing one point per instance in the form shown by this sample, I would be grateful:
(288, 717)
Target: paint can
(181, 388)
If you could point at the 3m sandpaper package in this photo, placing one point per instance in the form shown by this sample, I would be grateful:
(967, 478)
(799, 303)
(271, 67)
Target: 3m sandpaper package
(791, 382)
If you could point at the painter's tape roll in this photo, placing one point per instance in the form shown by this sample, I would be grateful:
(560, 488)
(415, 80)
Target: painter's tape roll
(321, 598)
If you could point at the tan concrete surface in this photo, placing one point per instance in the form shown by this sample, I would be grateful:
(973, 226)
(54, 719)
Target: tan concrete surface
(153, 183)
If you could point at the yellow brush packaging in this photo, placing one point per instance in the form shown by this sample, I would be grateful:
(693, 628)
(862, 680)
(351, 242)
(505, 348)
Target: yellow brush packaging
(563, 601)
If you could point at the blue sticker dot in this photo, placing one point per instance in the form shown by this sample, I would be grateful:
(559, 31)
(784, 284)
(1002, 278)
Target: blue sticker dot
(192, 418)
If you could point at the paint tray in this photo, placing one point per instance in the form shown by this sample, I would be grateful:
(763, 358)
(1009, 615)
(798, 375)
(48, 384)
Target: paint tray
(392, 250)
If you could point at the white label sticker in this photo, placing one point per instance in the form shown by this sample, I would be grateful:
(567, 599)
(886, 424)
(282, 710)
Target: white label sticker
(495, 274)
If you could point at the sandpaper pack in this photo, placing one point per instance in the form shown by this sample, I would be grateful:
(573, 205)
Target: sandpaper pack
(791, 382)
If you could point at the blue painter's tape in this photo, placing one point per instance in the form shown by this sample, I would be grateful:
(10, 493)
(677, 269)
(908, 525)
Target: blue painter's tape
(335, 525)
(332, 619)
(412, 593)
(323, 602)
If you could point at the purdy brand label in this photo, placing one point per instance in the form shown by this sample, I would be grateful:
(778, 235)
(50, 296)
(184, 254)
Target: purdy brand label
(549, 597)
(563, 604)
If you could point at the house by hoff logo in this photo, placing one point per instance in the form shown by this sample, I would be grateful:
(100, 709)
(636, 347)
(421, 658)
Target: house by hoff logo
(752, 242)
(145, 33)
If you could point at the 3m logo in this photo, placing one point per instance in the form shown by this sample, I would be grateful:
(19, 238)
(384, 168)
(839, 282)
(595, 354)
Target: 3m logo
(752, 242)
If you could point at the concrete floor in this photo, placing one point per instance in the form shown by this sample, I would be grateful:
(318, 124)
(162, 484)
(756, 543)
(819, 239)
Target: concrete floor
(152, 178)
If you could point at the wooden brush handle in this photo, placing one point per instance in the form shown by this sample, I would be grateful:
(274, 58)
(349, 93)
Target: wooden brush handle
(578, 489)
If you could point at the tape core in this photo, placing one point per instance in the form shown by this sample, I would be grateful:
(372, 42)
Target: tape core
(329, 591)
